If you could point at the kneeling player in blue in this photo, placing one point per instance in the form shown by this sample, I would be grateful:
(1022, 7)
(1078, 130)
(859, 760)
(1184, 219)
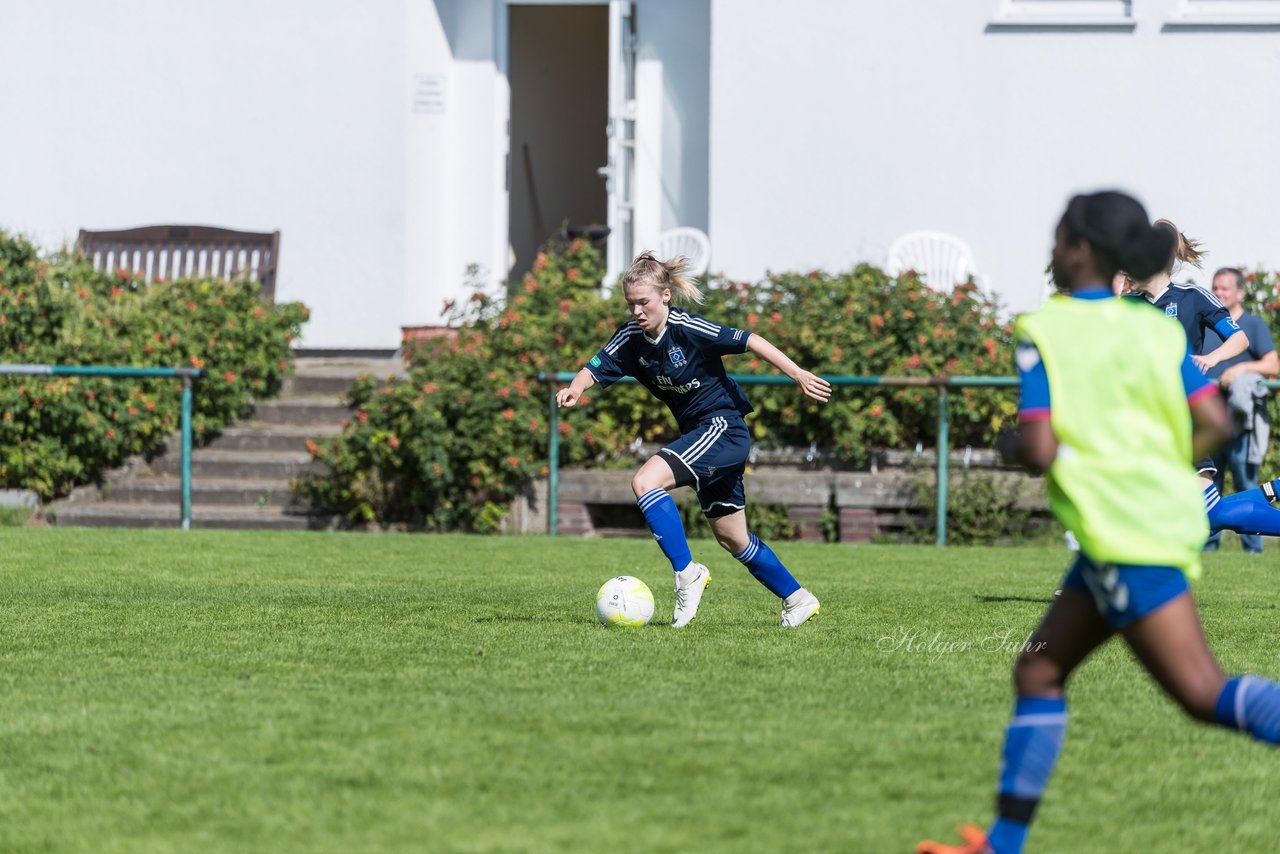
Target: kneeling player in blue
(1125, 423)
(676, 355)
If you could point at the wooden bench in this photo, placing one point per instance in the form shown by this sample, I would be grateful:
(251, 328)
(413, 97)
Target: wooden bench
(186, 251)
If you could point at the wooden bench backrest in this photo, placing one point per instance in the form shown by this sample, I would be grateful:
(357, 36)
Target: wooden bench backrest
(186, 251)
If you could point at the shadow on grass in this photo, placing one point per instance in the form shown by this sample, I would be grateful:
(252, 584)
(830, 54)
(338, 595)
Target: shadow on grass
(525, 618)
(996, 599)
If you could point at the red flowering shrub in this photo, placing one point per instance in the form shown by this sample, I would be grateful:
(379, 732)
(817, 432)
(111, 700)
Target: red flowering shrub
(56, 432)
(449, 448)
(864, 322)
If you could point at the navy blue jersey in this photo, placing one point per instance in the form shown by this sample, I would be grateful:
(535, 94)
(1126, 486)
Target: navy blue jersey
(1197, 310)
(682, 368)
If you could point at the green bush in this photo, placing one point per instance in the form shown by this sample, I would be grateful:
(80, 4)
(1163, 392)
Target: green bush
(865, 322)
(982, 509)
(57, 432)
(449, 447)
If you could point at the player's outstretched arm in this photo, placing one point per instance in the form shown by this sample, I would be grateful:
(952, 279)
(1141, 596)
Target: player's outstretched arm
(569, 396)
(813, 386)
(1232, 347)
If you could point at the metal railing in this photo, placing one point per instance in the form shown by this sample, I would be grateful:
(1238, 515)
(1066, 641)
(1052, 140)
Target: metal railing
(187, 375)
(941, 384)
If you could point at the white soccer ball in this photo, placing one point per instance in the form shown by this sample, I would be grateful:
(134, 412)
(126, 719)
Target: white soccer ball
(624, 601)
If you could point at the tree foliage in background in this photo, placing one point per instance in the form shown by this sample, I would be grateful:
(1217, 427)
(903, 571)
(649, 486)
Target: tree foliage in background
(450, 447)
(57, 432)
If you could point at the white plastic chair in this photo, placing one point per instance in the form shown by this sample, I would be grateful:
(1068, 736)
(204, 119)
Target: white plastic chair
(942, 260)
(690, 243)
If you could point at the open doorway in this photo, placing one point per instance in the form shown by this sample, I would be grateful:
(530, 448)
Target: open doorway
(558, 68)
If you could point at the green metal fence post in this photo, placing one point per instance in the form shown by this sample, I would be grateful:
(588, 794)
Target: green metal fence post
(553, 467)
(944, 454)
(186, 453)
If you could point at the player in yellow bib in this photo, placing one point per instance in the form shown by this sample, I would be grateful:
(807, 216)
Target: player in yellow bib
(1114, 428)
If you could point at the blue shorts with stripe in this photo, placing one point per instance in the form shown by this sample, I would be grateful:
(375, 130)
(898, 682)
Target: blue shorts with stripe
(711, 458)
(1125, 592)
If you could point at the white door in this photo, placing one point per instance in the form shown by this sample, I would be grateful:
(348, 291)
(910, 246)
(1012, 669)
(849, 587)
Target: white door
(619, 172)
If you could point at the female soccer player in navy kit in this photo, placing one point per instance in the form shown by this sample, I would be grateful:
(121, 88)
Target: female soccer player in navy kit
(1107, 407)
(1194, 308)
(1197, 310)
(676, 355)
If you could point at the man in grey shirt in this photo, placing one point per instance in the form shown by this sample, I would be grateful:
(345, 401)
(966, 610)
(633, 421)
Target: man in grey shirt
(1261, 359)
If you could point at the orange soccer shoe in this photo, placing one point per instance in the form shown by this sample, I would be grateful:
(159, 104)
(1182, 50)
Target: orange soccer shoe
(975, 842)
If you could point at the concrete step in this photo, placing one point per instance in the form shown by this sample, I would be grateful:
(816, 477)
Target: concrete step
(242, 479)
(304, 385)
(221, 492)
(335, 376)
(265, 436)
(248, 465)
(120, 514)
(312, 409)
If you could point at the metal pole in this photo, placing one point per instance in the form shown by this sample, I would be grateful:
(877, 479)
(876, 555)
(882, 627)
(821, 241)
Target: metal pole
(186, 453)
(553, 467)
(944, 453)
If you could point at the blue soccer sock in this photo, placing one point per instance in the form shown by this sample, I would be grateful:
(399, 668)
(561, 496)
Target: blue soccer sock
(663, 518)
(1031, 746)
(1248, 512)
(767, 569)
(1251, 704)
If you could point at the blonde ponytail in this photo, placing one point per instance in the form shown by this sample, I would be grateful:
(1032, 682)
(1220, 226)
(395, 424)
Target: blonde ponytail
(673, 274)
(1188, 252)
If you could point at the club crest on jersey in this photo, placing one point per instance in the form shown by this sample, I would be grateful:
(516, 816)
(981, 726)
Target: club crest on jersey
(677, 357)
(1171, 309)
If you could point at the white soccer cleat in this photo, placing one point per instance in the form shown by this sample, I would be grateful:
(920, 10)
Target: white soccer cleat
(689, 595)
(804, 607)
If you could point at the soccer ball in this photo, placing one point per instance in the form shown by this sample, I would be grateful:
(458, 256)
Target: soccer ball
(624, 601)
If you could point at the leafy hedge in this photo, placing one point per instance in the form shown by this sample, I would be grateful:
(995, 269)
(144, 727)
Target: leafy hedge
(56, 432)
(450, 447)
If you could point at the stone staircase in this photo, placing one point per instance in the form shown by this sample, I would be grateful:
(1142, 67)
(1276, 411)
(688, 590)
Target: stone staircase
(241, 480)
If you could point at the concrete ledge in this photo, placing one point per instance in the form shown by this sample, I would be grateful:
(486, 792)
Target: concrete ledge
(866, 504)
(21, 498)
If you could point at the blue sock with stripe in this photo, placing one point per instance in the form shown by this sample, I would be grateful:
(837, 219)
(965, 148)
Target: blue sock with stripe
(663, 517)
(1031, 746)
(1251, 704)
(1248, 512)
(767, 569)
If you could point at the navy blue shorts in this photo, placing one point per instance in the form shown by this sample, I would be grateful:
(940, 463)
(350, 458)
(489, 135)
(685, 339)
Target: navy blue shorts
(1208, 466)
(1125, 592)
(711, 458)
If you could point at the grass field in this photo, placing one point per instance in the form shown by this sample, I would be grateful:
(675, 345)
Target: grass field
(324, 692)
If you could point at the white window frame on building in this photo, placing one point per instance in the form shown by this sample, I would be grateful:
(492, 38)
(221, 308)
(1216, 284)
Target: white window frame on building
(1085, 14)
(1232, 14)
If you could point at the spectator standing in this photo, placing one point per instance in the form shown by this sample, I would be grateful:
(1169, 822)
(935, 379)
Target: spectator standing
(1241, 380)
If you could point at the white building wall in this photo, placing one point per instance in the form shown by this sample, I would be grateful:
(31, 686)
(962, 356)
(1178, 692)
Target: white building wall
(238, 113)
(372, 135)
(837, 126)
(673, 90)
(799, 135)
